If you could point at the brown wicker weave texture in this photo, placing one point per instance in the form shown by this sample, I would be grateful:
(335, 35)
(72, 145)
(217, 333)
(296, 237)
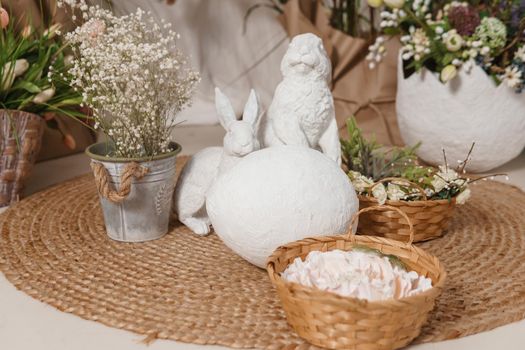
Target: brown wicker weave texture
(193, 289)
(336, 322)
(430, 219)
(20, 139)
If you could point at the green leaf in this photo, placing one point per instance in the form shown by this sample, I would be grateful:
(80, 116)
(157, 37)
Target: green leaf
(27, 86)
(392, 31)
(25, 102)
(74, 101)
(447, 59)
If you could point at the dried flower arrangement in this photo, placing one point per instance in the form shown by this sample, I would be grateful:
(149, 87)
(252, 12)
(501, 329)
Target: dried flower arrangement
(34, 73)
(445, 36)
(367, 163)
(132, 75)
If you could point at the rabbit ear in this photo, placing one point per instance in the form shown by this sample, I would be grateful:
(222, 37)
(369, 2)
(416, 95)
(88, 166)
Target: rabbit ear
(224, 109)
(251, 109)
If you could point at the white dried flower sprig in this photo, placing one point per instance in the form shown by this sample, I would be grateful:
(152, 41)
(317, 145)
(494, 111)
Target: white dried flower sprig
(445, 179)
(132, 75)
(438, 184)
(376, 52)
(416, 45)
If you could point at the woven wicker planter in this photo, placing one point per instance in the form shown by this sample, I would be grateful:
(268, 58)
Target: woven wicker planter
(20, 140)
(336, 322)
(430, 219)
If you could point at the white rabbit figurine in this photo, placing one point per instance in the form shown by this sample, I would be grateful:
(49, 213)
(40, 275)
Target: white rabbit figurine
(204, 167)
(302, 111)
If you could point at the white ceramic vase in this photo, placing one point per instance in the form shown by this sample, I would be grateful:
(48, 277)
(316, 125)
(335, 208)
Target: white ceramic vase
(470, 108)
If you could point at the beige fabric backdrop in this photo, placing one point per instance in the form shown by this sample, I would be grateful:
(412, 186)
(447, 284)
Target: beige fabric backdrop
(212, 33)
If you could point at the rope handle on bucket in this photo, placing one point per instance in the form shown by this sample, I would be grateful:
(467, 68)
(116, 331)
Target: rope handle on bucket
(102, 180)
(402, 182)
(382, 208)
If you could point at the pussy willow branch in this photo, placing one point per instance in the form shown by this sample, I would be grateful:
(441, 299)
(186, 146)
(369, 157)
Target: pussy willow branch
(486, 177)
(464, 163)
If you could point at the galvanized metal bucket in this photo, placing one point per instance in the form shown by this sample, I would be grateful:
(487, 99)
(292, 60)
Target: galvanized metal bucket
(143, 214)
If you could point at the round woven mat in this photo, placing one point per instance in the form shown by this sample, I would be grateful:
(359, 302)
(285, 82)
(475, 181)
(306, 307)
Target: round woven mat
(193, 289)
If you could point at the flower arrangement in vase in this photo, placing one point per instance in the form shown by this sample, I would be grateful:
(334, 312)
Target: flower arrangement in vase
(35, 87)
(460, 77)
(131, 74)
(393, 177)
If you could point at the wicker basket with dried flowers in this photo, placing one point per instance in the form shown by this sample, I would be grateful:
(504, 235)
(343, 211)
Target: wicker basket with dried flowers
(393, 177)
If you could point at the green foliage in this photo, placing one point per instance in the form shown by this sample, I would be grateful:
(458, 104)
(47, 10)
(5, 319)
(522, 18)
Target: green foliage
(371, 159)
(418, 174)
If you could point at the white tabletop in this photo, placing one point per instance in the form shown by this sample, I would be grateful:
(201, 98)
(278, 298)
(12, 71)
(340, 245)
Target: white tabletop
(26, 323)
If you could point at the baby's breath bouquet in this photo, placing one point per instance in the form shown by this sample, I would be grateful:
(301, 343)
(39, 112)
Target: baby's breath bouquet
(132, 75)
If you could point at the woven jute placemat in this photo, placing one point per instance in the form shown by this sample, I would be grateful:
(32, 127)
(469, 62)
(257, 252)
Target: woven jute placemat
(53, 246)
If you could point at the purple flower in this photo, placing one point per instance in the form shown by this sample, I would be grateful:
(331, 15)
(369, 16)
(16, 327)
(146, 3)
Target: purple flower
(465, 19)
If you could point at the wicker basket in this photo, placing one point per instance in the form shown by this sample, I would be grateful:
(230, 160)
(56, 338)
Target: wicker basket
(328, 320)
(429, 217)
(20, 139)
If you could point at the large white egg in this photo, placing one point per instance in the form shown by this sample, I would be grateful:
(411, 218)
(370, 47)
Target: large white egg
(279, 195)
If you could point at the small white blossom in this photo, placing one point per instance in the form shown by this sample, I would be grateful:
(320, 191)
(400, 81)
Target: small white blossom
(376, 52)
(453, 41)
(520, 54)
(463, 196)
(443, 177)
(395, 192)
(416, 45)
(379, 193)
(512, 76)
(360, 182)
